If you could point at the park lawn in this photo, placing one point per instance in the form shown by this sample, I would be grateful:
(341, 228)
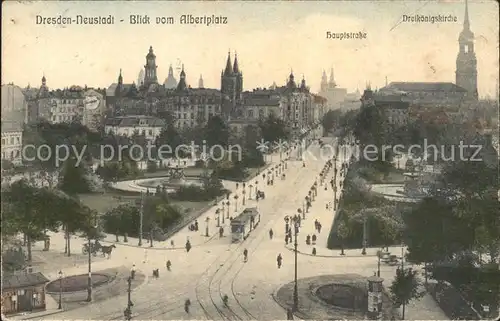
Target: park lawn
(102, 203)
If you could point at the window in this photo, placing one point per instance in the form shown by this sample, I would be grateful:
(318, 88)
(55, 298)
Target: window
(466, 49)
(144, 132)
(3, 141)
(18, 141)
(150, 132)
(12, 140)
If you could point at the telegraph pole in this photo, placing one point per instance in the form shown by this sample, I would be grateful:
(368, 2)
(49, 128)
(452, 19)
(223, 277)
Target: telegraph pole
(90, 250)
(295, 286)
(141, 213)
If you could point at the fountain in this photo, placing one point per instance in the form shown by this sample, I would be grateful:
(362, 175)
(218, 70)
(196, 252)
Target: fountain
(173, 181)
(411, 191)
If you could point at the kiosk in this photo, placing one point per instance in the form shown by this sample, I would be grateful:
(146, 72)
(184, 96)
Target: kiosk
(374, 298)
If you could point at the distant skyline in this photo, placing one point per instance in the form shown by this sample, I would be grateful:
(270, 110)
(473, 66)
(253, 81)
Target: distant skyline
(271, 39)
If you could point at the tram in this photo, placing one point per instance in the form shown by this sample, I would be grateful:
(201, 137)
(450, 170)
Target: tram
(243, 224)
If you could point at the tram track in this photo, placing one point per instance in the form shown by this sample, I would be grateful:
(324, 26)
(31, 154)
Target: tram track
(225, 313)
(213, 308)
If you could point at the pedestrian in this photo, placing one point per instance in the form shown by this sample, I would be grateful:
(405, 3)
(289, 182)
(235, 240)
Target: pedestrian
(286, 239)
(221, 231)
(245, 255)
(132, 272)
(308, 239)
(279, 260)
(271, 234)
(319, 227)
(314, 251)
(187, 303)
(172, 243)
(327, 206)
(169, 264)
(188, 246)
(313, 239)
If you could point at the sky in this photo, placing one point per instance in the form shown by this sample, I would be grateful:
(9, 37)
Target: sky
(271, 39)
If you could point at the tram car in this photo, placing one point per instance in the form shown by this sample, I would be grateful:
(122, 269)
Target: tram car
(243, 224)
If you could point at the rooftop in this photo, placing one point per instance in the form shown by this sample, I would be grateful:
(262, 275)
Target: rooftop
(132, 121)
(23, 280)
(423, 86)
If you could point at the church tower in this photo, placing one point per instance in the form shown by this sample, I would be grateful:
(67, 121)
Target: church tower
(232, 81)
(182, 85)
(150, 69)
(466, 72)
(332, 83)
(324, 82)
(44, 90)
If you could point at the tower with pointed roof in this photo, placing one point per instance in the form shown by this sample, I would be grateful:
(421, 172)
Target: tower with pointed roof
(182, 85)
(232, 81)
(331, 83)
(324, 82)
(466, 71)
(150, 76)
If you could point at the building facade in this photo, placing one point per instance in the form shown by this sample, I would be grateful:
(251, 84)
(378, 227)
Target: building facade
(12, 142)
(128, 126)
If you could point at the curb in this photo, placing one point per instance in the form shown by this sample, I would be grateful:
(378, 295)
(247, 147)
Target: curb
(330, 256)
(160, 248)
(28, 317)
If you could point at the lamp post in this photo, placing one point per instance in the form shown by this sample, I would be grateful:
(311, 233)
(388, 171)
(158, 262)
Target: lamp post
(295, 287)
(228, 203)
(128, 311)
(206, 226)
(243, 197)
(89, 280)
(250, 191)
(236, 203)
(60, 290)
(217, 213)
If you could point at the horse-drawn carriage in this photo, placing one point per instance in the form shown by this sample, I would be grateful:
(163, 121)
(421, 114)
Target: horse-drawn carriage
(96, 247)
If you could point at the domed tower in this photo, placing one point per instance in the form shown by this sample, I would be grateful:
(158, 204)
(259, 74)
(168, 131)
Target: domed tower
(150, 76)
(466, 72)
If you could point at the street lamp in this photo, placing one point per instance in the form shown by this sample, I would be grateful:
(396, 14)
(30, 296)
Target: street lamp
(295, 287)
(228, 203)
(236, 203)
(217, 213)
(206, 226)
(60, 290)
(250, 191)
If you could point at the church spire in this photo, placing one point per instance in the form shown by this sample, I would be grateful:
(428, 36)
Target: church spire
(466, 18)
(120, 77)
(229, 70)
(182, 81)
(236, 68)
(170, 70)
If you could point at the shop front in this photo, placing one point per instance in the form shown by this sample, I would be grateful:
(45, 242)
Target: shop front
(23, 293)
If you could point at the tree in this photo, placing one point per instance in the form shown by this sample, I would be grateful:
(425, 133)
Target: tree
(405, 288)
(169, 136)
(342, 233)
(73, 180)
(331, 120)
(273, 129)
(216, 132)
(29, 210)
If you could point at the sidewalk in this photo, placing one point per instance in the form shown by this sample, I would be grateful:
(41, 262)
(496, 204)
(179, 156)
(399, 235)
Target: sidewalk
(209, 217)
(318, 211)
